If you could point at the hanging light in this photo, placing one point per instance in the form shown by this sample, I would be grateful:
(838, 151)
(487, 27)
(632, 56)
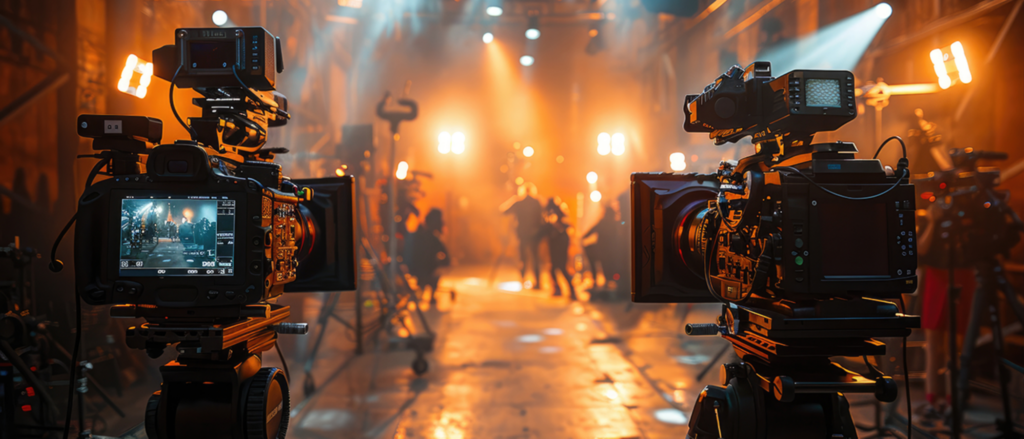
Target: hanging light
(604, 144)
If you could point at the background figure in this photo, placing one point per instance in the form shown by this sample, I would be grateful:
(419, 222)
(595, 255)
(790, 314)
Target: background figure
(529, 219)
(596, 252)
(425, 254)
(557, 233)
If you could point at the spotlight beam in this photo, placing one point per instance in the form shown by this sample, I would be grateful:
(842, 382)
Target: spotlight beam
(839, 45)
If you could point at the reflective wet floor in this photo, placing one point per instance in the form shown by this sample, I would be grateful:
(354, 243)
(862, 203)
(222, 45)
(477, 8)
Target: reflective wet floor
(510, 363)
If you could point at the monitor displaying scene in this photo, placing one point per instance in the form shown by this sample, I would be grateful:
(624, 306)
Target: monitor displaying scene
(177, 236)
(823, 93)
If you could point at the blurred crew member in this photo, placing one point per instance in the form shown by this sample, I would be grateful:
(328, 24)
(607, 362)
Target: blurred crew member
(605, 229)
(556, 230)
(425, 254)
(529, 218)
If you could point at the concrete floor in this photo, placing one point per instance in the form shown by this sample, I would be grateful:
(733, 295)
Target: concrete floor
(510, 363)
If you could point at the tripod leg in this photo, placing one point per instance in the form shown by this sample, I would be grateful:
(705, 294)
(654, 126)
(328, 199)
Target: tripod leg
(1002, 374)
(1011, 295)
(985, 288)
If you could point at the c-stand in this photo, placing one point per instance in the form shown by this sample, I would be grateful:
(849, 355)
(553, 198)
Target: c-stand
(785, 385)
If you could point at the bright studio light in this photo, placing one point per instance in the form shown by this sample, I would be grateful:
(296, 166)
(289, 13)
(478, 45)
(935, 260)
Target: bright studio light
(402, 171)
(528, 151)
(220, 18)
(595, 196)
(532, 34)
(458, 143)
(488, 38)
(135, 77)
(526, 60)
(494, 11)
(883, 10)
(444, 142)
(604, 144)
(618, 144)
(960, 60)
(677, 161)
(591, 177)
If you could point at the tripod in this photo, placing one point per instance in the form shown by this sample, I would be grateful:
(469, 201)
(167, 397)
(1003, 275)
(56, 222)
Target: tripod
(976, 225)
(217, 387)
(785, 386)
(991, 280)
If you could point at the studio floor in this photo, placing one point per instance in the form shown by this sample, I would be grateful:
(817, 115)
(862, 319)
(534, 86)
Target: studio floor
(513, 363)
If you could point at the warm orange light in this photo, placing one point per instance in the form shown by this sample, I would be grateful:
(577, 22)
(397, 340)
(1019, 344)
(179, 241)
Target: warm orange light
(595, 196)
(591, 177)
(618, 144)
(188, 214)
(339, 172)
(135, 77)
(458, 143)
(402, 171)
(604, 144)
(960, 60)
(677, 161)
(528, 151)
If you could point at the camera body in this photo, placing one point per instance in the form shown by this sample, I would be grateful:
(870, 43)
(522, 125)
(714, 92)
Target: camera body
(197, 230)
(788, 238)
(750, 102)
(794, 221)
(216, 57)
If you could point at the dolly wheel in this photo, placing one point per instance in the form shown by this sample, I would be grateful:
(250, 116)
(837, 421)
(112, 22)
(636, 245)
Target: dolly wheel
(420, 366)
(152, 411)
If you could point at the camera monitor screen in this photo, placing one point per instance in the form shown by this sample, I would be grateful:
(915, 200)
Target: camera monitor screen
(177, 236)
(823, 93)
(212, 54)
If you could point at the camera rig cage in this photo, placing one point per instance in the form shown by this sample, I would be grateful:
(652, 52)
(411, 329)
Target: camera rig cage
(237, 234)
(797, 241)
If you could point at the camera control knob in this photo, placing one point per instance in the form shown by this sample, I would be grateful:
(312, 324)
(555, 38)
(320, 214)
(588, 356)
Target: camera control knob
(291, 328)
(695, 329)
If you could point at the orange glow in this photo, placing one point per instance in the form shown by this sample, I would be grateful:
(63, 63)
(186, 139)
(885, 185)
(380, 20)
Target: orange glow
(339, 172)
(913, 89)
(402, 171)
(188, 214)
(135, 77)
(528, 151)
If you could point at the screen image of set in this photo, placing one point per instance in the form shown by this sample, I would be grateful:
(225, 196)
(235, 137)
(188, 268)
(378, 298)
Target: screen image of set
(185, 236)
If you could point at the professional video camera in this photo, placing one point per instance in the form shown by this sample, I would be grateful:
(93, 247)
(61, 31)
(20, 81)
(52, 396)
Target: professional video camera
(798, 241)
(212, 232)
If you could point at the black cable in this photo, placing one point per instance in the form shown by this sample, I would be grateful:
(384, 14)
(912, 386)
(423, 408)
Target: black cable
(188, 128)
(887, 141)
(56, 265)
(899, 181)
(96, 170)
(906, 377)
(284, 364)
(875, 373)
(74, 363)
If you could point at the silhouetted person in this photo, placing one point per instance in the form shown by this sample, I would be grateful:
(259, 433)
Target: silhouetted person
(529, 218)
(425, 254)
(556, 231)
(605, 229)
